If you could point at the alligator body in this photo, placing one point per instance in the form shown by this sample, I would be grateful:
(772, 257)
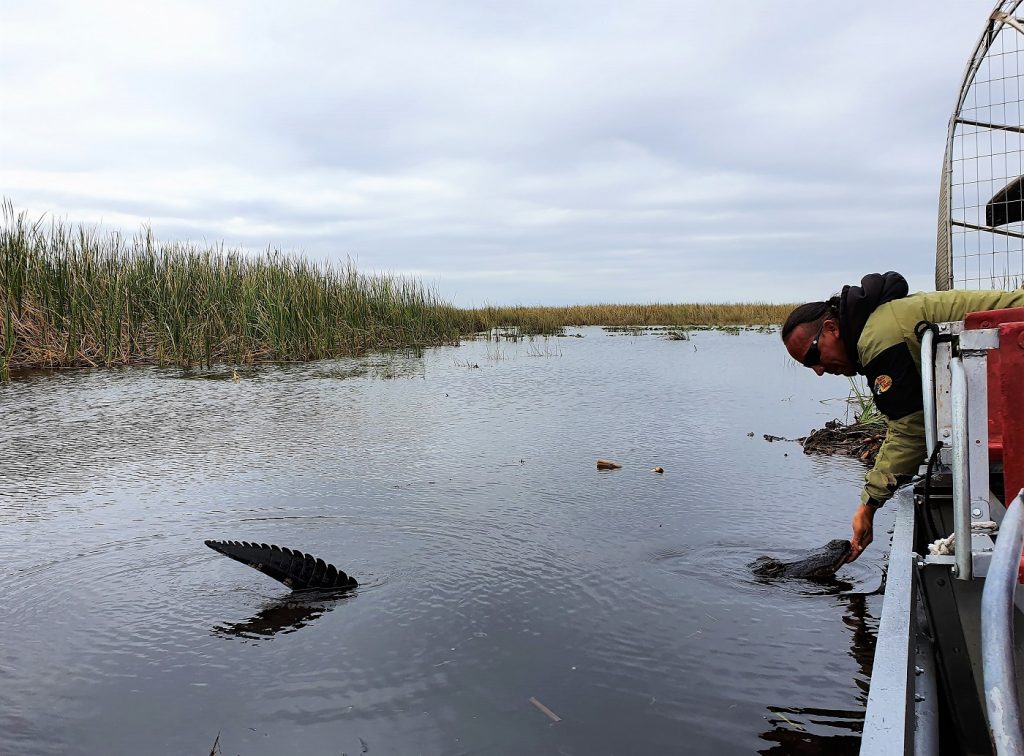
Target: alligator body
(295, 569)
(820, 564)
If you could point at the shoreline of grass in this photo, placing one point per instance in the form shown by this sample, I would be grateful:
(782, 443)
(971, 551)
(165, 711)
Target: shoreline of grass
(71, 297)
(552, 320)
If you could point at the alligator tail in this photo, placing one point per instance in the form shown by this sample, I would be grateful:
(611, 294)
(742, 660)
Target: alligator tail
(295, 569)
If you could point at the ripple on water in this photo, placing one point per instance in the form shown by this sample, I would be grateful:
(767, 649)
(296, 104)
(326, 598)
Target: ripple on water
(494, 563)
(728, 564)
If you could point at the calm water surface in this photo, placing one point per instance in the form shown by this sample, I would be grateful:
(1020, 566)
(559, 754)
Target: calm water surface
(497, 564)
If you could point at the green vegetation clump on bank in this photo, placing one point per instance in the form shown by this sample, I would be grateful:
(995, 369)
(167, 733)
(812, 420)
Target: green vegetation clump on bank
(71, 297)
(551, 320)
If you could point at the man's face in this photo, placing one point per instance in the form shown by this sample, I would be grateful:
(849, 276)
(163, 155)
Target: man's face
(832, 357)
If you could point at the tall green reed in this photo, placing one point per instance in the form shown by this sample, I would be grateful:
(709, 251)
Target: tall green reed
(72, 297)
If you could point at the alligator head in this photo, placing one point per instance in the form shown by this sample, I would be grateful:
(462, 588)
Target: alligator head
(820, 564)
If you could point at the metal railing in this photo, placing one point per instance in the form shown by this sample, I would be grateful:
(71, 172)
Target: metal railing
(997, 648)
(961, 474)
(928, 388)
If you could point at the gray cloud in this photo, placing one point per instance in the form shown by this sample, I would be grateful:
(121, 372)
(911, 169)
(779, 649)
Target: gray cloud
(527, 153)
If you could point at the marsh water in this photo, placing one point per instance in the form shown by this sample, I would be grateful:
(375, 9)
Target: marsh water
(505, 581)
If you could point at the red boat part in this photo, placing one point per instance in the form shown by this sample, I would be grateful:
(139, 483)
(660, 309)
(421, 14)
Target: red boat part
(1005, 393)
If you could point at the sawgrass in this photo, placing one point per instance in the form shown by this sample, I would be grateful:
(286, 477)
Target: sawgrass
(70, 297)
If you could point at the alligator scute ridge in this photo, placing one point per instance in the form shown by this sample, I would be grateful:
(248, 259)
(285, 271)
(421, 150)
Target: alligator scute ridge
(296, 569)
(820, 564)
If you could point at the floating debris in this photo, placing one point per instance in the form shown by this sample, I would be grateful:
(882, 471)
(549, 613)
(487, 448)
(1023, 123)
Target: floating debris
(607, 464)
(861, 440)
(554, 717)
(790, 721)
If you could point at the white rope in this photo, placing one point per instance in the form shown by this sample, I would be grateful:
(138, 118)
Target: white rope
(945, 547)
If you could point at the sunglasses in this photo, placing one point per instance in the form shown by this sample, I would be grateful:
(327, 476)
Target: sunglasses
(813, 356)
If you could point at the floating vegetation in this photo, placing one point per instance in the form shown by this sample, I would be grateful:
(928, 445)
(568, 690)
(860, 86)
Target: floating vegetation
(625, 330)
(203, 374)
(672, 333)
(861, 440)
(507, 333)
(355, 371)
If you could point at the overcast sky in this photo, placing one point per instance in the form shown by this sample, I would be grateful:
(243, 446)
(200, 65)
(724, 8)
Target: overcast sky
(503, 153)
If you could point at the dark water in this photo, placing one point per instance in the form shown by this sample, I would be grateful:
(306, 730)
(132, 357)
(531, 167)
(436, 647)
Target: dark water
(497, 564)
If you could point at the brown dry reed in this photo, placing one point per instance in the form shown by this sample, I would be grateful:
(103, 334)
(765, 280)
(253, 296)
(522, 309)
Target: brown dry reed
(551, 320)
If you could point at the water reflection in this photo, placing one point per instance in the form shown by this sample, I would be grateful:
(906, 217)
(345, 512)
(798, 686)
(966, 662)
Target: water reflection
(863, 628)
(791, 738)
(284, 615)
(814, 730)
(830, 586)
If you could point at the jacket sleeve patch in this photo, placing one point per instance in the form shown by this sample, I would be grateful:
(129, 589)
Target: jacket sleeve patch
(895, 382)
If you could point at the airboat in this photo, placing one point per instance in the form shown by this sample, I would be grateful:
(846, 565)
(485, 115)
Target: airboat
(946, 676)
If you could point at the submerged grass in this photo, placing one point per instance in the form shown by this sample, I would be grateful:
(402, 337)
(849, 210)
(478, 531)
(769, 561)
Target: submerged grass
(71, 297)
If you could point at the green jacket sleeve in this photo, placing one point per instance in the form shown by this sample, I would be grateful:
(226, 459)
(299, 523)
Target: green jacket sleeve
(901, 453)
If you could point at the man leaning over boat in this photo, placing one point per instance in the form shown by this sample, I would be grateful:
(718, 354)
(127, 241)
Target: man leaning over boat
(873, 330)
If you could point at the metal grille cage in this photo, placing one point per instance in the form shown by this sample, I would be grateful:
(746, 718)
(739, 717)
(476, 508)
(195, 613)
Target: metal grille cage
(980, 243)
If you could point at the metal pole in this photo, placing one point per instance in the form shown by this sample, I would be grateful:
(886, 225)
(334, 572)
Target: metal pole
(997, 634)
(961, 472)
(928, 388)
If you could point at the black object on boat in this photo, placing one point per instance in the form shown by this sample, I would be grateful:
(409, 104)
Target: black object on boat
(297, 570)
(1007, 206)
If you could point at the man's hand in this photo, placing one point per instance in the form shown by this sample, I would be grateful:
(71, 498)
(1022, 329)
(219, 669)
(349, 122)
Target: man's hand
(863, 519)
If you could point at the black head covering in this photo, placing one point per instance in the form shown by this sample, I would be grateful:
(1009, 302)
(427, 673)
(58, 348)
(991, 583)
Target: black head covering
(856, 303)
